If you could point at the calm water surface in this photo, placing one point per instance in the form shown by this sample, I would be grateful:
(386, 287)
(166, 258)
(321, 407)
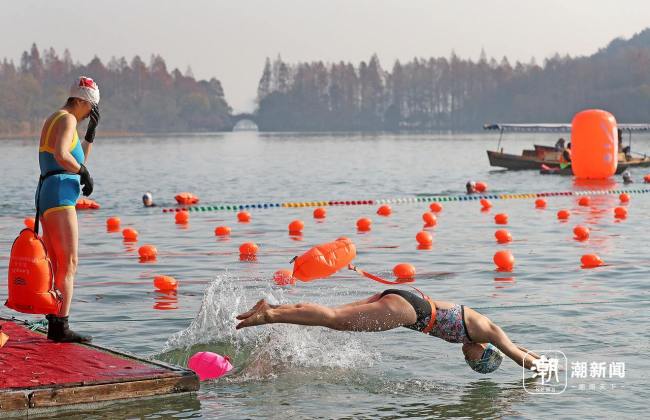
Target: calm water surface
(295, 372)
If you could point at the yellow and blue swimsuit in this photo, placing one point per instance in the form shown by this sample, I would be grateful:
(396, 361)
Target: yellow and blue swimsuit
(57, 189)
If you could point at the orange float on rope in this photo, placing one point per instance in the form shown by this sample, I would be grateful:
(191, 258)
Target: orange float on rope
(435, 207)
(31, 279)
(384, 210)
(424, 238)
(147, 252)
(222, 231)
(130, 234)
(283, 278)
(165, 283)
(504, 260)
(244, 217)
(320, 213)
(591, 261)
(296, 227)
(563, 214)
(501, 219)
(624, 198)
(430, 219)
(581, 233)
(364, 224)
(485, 203)
(584, 201)
(248, 249)
(503, 236)
(86, 204)
(620, 212)
(182, 217)
(594, 144)
(29, 222)
(646, 178)
(480, 186)
(186, 198)
(404, 271)
(324, 260)
(540, 203)
(113, 224)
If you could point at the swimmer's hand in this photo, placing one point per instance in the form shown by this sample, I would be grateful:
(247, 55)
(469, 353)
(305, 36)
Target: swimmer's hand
(92, 125)
(85, 180)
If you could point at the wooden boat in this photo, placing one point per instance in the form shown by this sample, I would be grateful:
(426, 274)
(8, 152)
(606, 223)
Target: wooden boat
(38, 376)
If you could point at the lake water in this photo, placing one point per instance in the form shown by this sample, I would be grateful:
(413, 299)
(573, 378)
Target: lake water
(295, 372)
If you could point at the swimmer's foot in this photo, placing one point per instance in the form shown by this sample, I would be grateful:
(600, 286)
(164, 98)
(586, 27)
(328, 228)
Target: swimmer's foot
(255, 316)
(59, 331)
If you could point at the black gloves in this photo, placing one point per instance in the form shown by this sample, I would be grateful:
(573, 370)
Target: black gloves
(86, 181)
(92, 125)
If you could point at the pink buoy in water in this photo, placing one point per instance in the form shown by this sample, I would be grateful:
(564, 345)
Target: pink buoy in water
(209, 365)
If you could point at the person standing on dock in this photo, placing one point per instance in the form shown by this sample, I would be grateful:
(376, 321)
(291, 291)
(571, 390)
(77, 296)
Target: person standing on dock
(62, 157)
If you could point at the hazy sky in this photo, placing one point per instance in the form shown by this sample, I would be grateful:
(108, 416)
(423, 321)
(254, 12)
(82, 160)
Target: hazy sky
(230, 39)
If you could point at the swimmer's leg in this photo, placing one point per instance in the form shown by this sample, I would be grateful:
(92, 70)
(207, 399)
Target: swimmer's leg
(371, 299)
(389, 312)
(482, 330)
(61, 229)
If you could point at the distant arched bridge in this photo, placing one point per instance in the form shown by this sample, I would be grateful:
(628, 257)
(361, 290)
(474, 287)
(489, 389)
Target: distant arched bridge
(244, 122)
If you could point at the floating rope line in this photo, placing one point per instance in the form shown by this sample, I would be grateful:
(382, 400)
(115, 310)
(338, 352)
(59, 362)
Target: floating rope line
(405, 200)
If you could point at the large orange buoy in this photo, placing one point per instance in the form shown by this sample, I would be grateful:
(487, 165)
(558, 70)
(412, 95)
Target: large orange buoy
(283, 278)
(182, 217)
(540, 203)
(591, 261)
(186, 198)
(244, 217)
(296, 227)
(404, 271)
(504, 260)
(435, 207)
(165, 283)
(31, 279)
(424, 238)
(430, 219)
(485, 204)
(646, 178)
(620, 212)
(594, 144)
(130, 234)
(624, 198)
(384, 210)
(248, 249)
(147, 252)
(501, 219)
(584, 201)
(563, 214)
(364, 224)
(29, 222)
(86, 204)
(480, 186)
(503, 236)
(320, 213)
(581, 233)
(324, 260)
(113, 224)
(222, 231)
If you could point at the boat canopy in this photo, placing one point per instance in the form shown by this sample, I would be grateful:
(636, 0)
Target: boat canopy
(557, 128)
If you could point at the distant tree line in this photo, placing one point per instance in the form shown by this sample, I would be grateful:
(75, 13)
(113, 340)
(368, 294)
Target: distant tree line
(135, 96)
(455, 93)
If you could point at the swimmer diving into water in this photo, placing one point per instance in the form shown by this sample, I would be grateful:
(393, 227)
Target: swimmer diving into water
(483, 341)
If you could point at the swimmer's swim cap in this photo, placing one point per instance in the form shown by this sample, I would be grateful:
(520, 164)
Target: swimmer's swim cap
(85, 88)
(147, 197)
(489, 361)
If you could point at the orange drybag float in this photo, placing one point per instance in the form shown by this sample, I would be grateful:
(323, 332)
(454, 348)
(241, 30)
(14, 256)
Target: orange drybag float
(86, 204)
(186, 198)
(31, 279)
(324, 260)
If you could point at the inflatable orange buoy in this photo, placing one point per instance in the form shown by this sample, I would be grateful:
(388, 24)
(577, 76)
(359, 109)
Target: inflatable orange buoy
(29, 222)
(296, 227)
(384, 210)
(504, 260)
(186, 198)
(646, 178)
(182, 217)
(424, 238)
(320, 213)
(430, 219)
(620, 212)
(86, 204)
(594, 144)
(503, 236)
(283, 278)
(485, 203)
(584, 201)
(165, 283)
(404, 271)
(113, 223)
(591, 261)
(324, 260)
(480, 186)
(147, 252)
(435, 207)
(248, 249)
(130, 234)
(364, 224)
(624, 198)
(222, 231)
(501, 219)
(244, 216)
(540, 203)
(581, 233)
(563, 214)
(31, 279)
